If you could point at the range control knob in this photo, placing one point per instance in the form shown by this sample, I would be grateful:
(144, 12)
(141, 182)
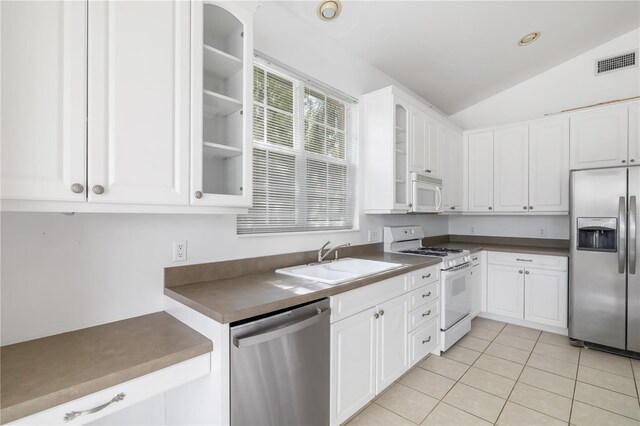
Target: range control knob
(467, 258)
(449, 263)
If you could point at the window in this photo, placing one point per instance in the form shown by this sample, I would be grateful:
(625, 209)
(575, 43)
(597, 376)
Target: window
(304, 156)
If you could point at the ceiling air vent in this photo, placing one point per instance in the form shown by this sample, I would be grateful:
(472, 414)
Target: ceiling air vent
(615, 63)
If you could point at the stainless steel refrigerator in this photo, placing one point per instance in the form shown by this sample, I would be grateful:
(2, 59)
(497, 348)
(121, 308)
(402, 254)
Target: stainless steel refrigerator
(604, 291)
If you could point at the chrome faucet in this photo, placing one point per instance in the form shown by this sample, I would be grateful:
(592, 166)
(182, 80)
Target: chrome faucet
(322, 255)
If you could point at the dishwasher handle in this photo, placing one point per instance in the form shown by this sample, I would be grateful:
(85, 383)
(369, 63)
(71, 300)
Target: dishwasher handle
(255, 339)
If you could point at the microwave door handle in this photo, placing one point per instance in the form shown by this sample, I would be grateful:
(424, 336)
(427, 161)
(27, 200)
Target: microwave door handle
(622, 232)
(438, 198)
(632, 234)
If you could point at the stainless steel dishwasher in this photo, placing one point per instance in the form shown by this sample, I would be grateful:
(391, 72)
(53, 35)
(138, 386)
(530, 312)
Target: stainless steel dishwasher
(280, 367)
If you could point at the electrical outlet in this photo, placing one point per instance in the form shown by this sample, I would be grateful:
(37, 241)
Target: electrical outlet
(179, 251)
(473, 229)
(542, 232)
(373, 237)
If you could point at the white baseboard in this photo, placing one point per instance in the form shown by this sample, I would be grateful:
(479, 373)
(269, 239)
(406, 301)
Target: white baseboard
(525, 323)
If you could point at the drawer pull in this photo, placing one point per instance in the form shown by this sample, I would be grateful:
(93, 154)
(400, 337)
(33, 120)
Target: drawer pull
(426, 295)
(426, 341)
(73, 414)
(424, 277)
(524, 260)
(427, 314)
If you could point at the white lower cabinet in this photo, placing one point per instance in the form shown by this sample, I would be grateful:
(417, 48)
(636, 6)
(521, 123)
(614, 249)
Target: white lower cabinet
(530, 288)
(546, 297)
(477, 292)
(379, 342)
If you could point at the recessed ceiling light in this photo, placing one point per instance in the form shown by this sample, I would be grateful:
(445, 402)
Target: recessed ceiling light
(328, 10)
(529, 38)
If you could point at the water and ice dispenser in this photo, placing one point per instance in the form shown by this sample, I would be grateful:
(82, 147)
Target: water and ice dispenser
(597, 233)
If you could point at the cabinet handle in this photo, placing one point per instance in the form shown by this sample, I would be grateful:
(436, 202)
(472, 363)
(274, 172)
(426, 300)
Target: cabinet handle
(624, 161)
(427, 170)
(410, 205)
(632, 161)
(524, 260)
(453, 207)
(426, 295)
(526, 272)
(426, 341)
(427, 313)
(98, 189)
(77, 188)
(73, 414)
(520, 271)
(530, 207)
(376, 315)
(490, 208)
(381, 312)
(198, 194)
(474, 258)
(424, 277)
(524, 207)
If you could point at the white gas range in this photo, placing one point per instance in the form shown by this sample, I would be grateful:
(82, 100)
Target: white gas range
(455, 279)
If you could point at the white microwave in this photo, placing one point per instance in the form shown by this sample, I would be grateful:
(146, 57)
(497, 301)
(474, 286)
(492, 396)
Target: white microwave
(426, 194)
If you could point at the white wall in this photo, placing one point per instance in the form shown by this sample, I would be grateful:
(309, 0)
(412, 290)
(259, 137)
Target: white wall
(569, 85)
(555, 227)
(61, 273)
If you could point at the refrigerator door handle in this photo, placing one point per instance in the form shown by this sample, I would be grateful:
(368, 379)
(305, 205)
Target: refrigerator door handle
(632, 234)
(622, 238)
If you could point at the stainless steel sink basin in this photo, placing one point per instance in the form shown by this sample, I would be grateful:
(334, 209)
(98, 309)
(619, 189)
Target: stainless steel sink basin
(338, 271)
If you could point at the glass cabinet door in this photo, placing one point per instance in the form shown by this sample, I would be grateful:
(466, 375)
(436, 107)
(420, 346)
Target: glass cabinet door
(401, 155)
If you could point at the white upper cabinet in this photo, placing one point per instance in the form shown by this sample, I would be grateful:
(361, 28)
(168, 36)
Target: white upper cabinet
(480, 176)
(419, 138)
(43, 100)
(221, 104)
(451, 170)
(402, 136)
(634, 134)
(138, 117)
(549, 165)
(599, 137)
(510, 169)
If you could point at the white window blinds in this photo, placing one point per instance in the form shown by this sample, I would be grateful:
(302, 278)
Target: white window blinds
(304, 155)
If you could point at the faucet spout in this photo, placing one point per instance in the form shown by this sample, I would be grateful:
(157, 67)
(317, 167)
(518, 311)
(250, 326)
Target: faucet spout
(322, 255)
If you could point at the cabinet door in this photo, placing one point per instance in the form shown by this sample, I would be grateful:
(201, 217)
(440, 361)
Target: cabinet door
(139, 102)
(451, 170)
(510, 169)
(480, 146)
(402, 185)
(43, 100)
(392, 359)
(505, 291)
(549, 165)
(634, 134)
(418, 140)
(599, 138)
(353, 364)
(433, 152)
(546, 297)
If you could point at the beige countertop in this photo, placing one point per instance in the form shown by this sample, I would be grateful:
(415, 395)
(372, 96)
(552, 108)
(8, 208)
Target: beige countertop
(43, 373)
(233, 299)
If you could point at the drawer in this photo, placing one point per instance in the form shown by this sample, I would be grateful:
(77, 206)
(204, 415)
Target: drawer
(559, 263)
(352, 302)
(423, 340)
(424, 295)
(423, 315)
(424, 276)
(130, 392)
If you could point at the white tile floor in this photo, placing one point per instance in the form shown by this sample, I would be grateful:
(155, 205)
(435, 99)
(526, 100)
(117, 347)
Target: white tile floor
(510, 375)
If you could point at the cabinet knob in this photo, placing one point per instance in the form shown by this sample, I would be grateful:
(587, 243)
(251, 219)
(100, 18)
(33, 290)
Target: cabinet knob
(624, 161)
(520, 272)
(490, 208)
(426, 314)
(530, 207)
(376, 315)
(410, 205)
(426, 295)
(427, 170)
(381, 312)
(77, 188)
(524, 207)
(632, 161)
(526, 272)
(98, 189)
(453, 207)
(428, 339)
(198, 194)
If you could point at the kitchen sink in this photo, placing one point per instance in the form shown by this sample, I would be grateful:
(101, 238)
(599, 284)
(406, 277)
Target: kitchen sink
(338, 271)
